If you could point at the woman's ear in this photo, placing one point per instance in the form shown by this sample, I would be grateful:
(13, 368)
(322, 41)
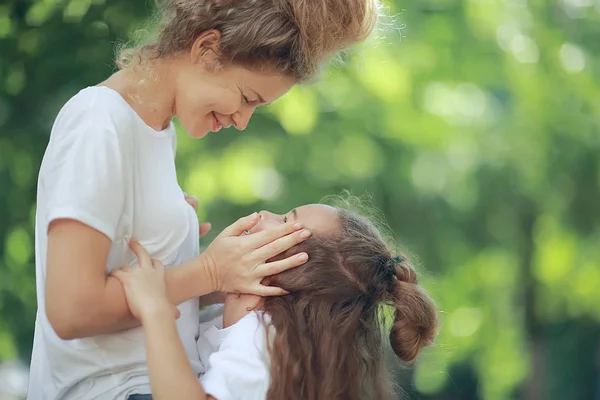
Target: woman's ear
(206, 49)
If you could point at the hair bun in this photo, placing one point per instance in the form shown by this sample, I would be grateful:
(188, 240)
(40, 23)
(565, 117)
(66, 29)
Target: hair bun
(404, 273)
(415, 318)
(289, 37)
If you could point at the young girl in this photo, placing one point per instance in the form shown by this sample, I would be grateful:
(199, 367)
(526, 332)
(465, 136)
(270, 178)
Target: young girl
(322, 341)
(108, 174)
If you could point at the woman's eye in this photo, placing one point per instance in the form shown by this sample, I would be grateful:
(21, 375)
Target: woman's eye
(284, 219)
(246, 100)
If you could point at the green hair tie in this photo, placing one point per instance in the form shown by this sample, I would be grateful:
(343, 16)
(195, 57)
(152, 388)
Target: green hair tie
(397, 260)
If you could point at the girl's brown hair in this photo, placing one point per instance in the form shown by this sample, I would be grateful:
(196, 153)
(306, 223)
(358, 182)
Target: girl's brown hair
(290, 37)
(328, 341)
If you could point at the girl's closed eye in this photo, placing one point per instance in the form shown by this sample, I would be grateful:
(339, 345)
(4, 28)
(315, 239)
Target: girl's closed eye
(285, 219)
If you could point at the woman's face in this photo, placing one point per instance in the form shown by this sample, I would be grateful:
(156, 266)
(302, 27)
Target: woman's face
(206, 101)
(318, 218)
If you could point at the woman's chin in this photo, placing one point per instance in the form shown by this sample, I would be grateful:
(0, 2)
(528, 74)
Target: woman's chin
(198, 133)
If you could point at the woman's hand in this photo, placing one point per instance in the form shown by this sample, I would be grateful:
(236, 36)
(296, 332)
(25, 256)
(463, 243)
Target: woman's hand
(145, 287)
(237, 263)
(193, 201)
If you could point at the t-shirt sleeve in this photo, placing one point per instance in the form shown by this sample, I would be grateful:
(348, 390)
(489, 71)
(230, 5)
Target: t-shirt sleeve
(82, 172)
(239, 370)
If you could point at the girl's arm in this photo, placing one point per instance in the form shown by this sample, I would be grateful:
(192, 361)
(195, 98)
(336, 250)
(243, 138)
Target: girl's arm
(81, 301)
(171, 375)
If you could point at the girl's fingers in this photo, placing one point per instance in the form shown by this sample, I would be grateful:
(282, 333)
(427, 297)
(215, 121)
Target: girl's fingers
(119, 274)
(158, 267)
(141, 253)
(122, 272)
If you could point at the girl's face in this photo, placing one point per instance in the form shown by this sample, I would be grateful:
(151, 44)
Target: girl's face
(318, 218)
(208, 99)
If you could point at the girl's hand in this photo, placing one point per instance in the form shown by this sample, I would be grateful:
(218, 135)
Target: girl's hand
(145, 287)
(237, 263)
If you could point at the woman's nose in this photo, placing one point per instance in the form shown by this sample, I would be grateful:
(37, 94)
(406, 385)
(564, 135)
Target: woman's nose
(266, 215)
(241, 118)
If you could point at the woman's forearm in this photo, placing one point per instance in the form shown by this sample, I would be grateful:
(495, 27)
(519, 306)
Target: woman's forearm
(170, 372)
(107, 311)
(193, 278)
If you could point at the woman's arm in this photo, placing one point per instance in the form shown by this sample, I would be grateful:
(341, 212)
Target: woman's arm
(81, 301)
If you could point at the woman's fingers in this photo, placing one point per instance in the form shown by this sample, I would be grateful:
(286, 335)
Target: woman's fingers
(280, 245)
(241, 225)
(141, 253)
(192, 201)
(269, 235)
(277, 267)
(267, 291)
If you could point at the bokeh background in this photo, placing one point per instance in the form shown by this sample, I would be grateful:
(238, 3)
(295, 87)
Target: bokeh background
(473, 125)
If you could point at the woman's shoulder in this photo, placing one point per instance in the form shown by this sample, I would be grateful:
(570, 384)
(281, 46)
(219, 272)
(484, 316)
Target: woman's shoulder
(97, 114)
(95, 106)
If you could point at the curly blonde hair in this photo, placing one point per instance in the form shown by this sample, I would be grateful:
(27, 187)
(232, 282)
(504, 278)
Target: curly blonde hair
(290, 37)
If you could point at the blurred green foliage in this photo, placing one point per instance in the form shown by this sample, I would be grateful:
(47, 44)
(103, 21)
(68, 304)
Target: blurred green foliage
(475, 128)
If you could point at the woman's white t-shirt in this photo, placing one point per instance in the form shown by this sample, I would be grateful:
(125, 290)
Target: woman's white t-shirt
(106, 168)
(235, 360)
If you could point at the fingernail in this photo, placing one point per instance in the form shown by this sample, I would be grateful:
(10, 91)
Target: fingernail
(303, 257)
(297, 225)
(253, 216)
(305, 234)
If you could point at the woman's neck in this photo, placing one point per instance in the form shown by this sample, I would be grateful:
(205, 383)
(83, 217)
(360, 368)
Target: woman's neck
(151, 96)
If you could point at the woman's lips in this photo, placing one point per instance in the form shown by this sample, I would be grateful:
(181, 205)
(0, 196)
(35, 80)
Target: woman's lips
(216, 124)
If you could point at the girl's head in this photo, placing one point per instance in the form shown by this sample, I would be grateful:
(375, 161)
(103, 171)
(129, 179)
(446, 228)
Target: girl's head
(227, 57)
(328, 342)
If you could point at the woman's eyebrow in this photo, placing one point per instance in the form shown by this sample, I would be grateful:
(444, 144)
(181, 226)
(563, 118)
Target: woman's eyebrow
(294, 214)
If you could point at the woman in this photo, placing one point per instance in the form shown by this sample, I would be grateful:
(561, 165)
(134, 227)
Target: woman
(108, 174)
(322, 341)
